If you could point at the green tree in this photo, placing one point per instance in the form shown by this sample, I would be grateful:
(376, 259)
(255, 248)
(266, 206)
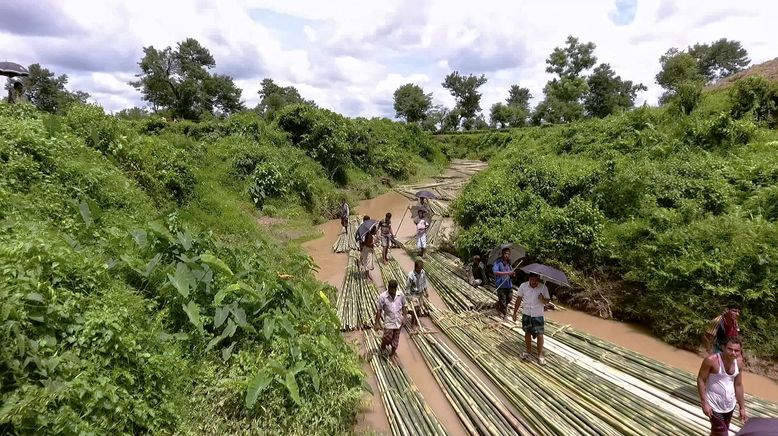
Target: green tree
(47, 91)
(274, 97)
(500, 115)
(178, 81)
(518, 97)
(678, 67)
(564, 94)
(411, 103)
(720, 58)
(132, 114)
(464, 89)
(608, 93)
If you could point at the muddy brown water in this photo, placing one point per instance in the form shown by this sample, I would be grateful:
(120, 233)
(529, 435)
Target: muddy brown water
(373, 418)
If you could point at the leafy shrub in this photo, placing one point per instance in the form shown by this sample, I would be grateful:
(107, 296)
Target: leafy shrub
(99, 131)
(757, 97)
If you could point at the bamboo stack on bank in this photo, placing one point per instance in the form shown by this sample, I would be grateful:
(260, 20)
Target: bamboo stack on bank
(357, 299)
(456, 293)
(406, 409)
(347, 241)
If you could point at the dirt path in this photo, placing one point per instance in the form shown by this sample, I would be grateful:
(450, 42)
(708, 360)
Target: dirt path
(373, 418)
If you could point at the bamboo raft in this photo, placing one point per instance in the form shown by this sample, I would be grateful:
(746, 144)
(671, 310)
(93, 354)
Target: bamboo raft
(357, 299)
(348, 241)
(407, 411)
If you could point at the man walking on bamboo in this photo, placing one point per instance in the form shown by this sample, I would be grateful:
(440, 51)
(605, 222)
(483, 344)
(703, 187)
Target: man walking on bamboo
(345, 211)
(366, 252)
(720, 387)
(532, 297)
(503, 273)
(417, 288)
(421, 233)
(387, 235)
(392, 308)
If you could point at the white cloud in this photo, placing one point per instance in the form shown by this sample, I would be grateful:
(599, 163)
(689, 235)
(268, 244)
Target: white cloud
(350, 55)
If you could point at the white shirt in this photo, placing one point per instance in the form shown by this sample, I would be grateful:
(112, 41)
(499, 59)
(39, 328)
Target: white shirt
(720, 388)
(417, 284)
(391, 309)
(421, 227)
(530, 304)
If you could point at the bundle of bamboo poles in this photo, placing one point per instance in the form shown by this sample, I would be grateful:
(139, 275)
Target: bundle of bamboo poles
(347, 241)
(357, 299)
(407, 412)
(561, 397)
(475, 404)
(455, 291)
(652, 372)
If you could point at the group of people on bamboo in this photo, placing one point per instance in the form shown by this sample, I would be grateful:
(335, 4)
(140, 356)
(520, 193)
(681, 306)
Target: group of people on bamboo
(719, 380)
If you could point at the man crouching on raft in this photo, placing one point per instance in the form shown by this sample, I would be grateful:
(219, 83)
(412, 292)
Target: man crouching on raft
(535, 296)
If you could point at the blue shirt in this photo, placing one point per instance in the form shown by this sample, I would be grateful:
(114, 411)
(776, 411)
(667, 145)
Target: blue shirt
(502, 281)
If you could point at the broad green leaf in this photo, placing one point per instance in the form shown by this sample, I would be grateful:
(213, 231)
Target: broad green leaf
(287, 326)
(240, 317)
(86, 214)
(193, 312)
(268, 327)
(291, 386)
(185, 239)
(228, 331)
(314, 378)
(183, 281)
(215, 262)
(139, 236)
(34, 296)
(152, 265)
(227, 352)
(324, 298)
(233, 288)
(220, 316)
(256, 386)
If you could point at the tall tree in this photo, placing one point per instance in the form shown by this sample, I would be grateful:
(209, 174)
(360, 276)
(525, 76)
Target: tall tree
(500, 115)
(274, 97)
(678, 67)
(179, 81)
(411, 103)
(518, 97)
(720, 58)
(464, 89)
(608, 93)
(564, 94)
(47, 91)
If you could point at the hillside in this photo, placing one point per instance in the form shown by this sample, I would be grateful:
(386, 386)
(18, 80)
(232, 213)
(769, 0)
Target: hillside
(661, 217)
(138, 294)
(767, 70)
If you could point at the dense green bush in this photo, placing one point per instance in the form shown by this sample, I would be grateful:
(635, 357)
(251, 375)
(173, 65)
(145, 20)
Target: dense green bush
(683, 206)
(757, 97)
(119, 315)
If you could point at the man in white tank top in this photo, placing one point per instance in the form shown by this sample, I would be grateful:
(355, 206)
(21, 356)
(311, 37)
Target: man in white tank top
(720, 386)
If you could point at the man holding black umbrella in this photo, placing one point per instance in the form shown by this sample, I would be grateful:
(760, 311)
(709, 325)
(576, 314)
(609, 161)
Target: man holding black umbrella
(532, 297)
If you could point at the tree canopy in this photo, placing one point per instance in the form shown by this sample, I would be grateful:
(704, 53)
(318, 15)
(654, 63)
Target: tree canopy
(273, 97)
(608, 93)
(411, 103)
(179, 81)
(464, 89)
(564, 94)
(47, 91)
(678, 67)
(720, 58)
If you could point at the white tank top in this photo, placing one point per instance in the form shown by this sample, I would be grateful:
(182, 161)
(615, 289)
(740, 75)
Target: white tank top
(720, 388)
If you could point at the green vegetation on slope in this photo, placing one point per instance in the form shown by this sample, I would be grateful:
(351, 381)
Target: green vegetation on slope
(681, 206)
(139, 295)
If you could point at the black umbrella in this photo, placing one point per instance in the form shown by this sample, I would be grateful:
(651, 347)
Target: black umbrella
(760, 427)
(547, 273)
(427, 195)
(517, 252)
(12, 69)
(416, 208)
(365, 228)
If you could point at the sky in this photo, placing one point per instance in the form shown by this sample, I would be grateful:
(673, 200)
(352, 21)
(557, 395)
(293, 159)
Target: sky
(350, 55)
